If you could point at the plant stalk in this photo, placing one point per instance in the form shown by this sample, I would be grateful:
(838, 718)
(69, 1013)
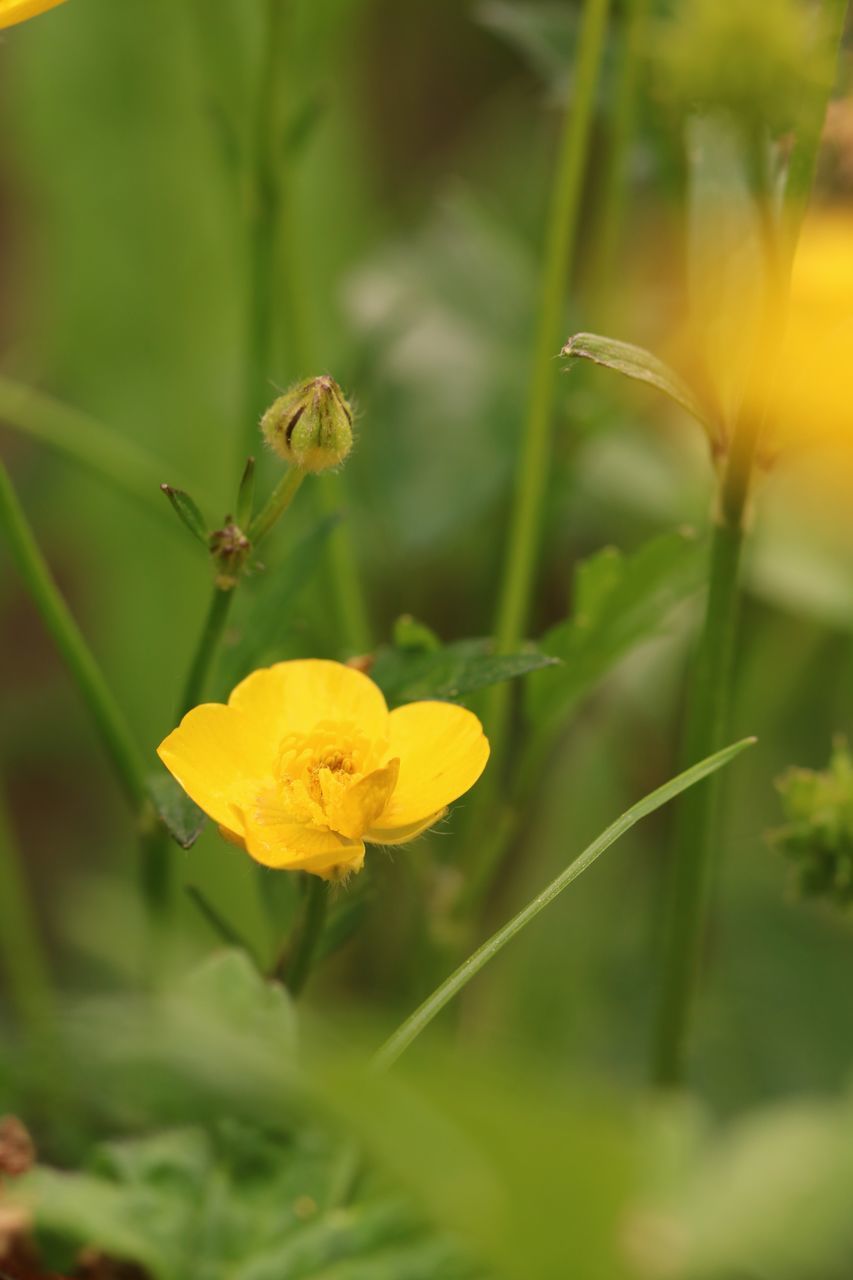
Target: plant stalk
(262, 219)
(690, 866)
(309, 932)
(211, 634)
(24, 964)
(526, 516)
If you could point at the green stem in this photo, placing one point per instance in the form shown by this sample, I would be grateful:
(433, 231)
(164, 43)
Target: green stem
(24, 965)
(694, 829)
(517, 580)
(690, 866)
(56, 617)
(263, 208)
(803, 162)
(622, 121)
(526, 517)
(211, 634)
(276, 505)
(396, 1044)
(306, 943)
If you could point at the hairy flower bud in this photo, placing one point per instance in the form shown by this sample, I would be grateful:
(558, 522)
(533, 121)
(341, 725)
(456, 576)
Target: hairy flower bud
(310, 425)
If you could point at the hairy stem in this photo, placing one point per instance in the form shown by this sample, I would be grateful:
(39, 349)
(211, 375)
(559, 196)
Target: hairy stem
(208, 642)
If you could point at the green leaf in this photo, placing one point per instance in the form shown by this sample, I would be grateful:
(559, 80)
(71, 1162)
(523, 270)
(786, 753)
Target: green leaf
(451, 671)
(620, 601)
(639, 364)
(229, 988)
(421, 1018)
(246, 495)
(188, 512)
(232, 1200)
(181, 816)
(101, 450)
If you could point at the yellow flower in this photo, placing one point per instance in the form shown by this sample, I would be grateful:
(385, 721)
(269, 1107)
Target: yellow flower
(305, 763)
(12, 11)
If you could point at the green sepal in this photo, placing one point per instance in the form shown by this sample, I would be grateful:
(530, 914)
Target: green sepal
(187, 511)
(181, 817)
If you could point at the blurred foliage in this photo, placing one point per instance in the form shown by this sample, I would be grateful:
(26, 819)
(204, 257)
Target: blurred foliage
(193, 1113)
(818, 835)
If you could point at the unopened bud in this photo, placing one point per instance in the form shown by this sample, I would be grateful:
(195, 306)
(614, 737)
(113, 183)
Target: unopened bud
(230, 548)
(818, 835)
(310, 425)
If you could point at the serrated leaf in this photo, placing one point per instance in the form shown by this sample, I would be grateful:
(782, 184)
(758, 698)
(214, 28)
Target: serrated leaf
(640, 365)
(231, 1200)
(181, 817)
(451, 671)
(620, 601)
(187, 512)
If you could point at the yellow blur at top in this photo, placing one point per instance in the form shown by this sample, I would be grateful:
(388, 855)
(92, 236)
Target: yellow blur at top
(12, 11)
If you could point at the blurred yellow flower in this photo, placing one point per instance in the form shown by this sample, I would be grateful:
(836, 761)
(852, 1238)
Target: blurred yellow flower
(812, 400)
(305, 763)
(12, 11)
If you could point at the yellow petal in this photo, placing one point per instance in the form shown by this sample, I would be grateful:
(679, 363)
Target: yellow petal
(218, 761)
(292, 697)
(12, 11)
(293, 846)
(362, 804)
(402, 835)
(442, 751)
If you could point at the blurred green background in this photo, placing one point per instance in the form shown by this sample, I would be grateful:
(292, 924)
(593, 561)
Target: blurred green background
(416, 196)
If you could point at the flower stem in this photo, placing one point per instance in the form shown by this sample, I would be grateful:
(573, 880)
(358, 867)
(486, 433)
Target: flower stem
(690, 866)
(526, 517)
(517, 580)
(309, 932)
(694, 829)
(23, 961)
(211, 634)
(263, 209)
(56, 617)
(276, 505)
(622, 124)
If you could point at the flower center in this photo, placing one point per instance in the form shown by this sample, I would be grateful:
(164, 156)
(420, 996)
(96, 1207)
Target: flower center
(330, 778)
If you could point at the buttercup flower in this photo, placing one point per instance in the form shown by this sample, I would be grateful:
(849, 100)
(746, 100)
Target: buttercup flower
(12, 11)
(306, 763)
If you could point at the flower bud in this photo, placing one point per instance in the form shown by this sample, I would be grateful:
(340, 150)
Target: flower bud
(818, 836)
(230, 549)
(310, 425)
